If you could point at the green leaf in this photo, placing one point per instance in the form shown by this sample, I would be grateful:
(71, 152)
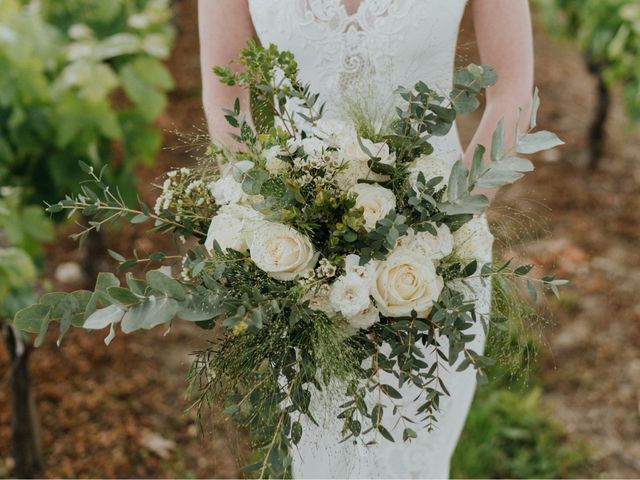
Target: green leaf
(523, 269)
(385, 433)
(116, 256)
(165, 284)
(476, 165)
(497, 142)
(149, 313)
(123, 296)
(140, 218)
(252, 467)
(535, 105)
(296, 432)
(31, 319)
(409, 433)
(529, 143)
(457, 181)
(103, 317)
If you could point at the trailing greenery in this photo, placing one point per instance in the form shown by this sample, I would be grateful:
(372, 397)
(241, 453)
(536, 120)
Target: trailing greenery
(81, 80)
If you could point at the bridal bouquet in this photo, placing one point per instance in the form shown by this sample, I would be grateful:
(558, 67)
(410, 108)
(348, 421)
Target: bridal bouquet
(328, 252)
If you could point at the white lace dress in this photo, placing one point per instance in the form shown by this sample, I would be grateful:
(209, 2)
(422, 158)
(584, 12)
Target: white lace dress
(359, 58)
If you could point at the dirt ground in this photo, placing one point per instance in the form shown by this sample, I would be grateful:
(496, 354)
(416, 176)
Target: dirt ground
(118, 412)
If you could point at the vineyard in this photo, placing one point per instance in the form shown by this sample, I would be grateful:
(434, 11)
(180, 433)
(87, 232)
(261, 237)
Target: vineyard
(118, 84)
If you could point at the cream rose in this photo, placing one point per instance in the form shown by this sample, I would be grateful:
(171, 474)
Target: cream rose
(434, 247)
(226, 190)
(363, 320)
(280, 251)
(233, 227)
(406, 281)
(227, 231)
(350, 295)
(366, 271)
(474, 241)
(376, 201)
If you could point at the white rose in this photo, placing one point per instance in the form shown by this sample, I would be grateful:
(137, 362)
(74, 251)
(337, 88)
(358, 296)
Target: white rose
(227, 231)
(406, 281)
(319, 300)
(280, 251)
(376, 201)
(363, 321)
(366, 271)
(431, 167)
(474, 241)
(233, 227)
(226, 190)
(274, 165)
(350, 295)
(435, 247)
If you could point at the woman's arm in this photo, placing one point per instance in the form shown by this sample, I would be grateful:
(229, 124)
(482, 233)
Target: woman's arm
(505, 41)
(225, 26)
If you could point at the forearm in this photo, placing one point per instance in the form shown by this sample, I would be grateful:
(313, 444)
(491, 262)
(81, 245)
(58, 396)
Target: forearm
(505, 42)
(224, 27)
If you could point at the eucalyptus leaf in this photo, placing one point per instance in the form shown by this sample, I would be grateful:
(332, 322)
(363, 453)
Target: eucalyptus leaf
(104, 317)
(529, 143)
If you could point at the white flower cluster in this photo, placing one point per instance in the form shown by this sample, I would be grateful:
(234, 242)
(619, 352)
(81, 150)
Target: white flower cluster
(183, 195)
(318, 167)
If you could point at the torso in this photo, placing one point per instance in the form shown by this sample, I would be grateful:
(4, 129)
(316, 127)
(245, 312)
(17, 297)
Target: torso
(362, 50)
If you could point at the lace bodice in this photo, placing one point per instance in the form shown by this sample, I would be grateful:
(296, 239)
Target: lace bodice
(363, 55)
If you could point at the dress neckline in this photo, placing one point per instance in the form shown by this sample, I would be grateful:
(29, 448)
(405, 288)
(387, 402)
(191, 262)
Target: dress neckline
(356, 11)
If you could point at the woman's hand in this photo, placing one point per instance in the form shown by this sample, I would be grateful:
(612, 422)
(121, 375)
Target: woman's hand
(505, 41)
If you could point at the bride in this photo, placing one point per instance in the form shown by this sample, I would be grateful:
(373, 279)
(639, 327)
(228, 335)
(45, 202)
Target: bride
(353, 52)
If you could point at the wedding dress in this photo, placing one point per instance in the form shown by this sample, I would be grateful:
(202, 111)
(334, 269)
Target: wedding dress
(359, 58)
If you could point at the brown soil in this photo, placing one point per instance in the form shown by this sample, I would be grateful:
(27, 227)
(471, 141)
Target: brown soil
(118, 412)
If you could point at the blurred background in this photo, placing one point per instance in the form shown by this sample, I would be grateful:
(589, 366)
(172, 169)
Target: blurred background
(118, 83)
